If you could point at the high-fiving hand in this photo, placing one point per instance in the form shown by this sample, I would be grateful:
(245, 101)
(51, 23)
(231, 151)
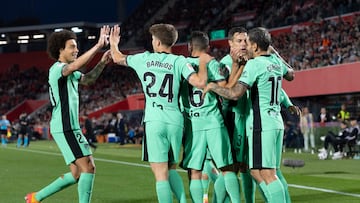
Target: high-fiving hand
(115, 35)
(104, 36)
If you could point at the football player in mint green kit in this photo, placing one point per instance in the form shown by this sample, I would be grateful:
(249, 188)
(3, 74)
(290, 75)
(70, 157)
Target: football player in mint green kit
(262, 76)
(64, 78)
(204, 125)
(161, 73)
(234, 112)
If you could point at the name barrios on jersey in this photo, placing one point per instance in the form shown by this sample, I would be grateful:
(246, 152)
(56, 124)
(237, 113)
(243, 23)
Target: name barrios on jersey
(159, 64)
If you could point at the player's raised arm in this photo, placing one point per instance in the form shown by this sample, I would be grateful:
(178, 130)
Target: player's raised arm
(87, 56)
(238, 64)
(199, 79)
(90, 77)
(117, 56)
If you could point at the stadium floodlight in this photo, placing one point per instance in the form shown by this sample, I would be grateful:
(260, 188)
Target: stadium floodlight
(23, 37)
(76, 29)
(38, 36)
(23, 41)
(58, 29)
(3, 35)
(3, 42)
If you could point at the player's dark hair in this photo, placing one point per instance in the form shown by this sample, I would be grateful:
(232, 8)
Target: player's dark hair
(57, 41)
(234, 30)
(166, 33)
(261, 37)
(199, 40)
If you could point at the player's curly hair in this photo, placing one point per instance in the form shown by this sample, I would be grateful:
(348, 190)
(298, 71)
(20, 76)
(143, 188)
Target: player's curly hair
(57, 41)
(166, 33)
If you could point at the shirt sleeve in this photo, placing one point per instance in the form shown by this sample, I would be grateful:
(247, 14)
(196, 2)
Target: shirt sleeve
(186, 68)
(249, 74)
(285, 100)
(134, 60)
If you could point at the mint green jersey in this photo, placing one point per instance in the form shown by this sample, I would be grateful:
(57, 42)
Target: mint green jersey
(64, 98)
(236, 106)
(203, 113)
(160, 75)
(263, 76)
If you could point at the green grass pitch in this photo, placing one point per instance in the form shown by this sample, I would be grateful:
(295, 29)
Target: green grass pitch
(121, 176)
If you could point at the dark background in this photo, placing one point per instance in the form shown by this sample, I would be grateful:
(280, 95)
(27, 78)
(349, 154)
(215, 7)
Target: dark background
(38, 12)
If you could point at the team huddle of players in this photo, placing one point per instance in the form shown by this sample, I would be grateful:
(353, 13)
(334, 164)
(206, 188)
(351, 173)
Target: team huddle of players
(225, 114)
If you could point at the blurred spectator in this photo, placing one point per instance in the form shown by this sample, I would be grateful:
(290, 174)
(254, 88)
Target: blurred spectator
(23, 134)
(131, 135)
(120, 128)
(337, 141)
(139, 133)
(292, 137)
(352, 138)
(307, 129)
(343, 114)
(4, 127)
(89, 131)
(323, 117)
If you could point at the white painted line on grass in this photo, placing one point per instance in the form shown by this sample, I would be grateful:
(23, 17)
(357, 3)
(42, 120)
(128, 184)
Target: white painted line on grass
(324, 190)
(180, 170)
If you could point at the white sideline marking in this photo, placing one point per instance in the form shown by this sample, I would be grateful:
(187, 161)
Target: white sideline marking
(180, 170)
(324, 190)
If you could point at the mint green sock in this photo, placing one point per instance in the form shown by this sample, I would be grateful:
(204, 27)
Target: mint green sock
(163, 191)
(232, 186)
(85, 187)
(248, 186)
(177, 185)
(57, 185)
(285, 185)
(265, 193)
(205, 185)
(196, 191)
(219, 188)
(277, 192)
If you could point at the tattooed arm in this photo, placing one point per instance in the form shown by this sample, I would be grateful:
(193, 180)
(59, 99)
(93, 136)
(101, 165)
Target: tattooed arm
(90, 77)
(233, 93)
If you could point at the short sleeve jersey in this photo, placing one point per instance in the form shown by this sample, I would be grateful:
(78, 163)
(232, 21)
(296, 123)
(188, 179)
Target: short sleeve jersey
(203, 113)
(263, 76)
(241, 103)
(160, 75)
(64, 98)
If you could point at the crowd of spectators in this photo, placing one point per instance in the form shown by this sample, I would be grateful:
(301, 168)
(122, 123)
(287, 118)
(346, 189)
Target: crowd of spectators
(328, 42)
(114, 84)
(17, 86)
(278, 13)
